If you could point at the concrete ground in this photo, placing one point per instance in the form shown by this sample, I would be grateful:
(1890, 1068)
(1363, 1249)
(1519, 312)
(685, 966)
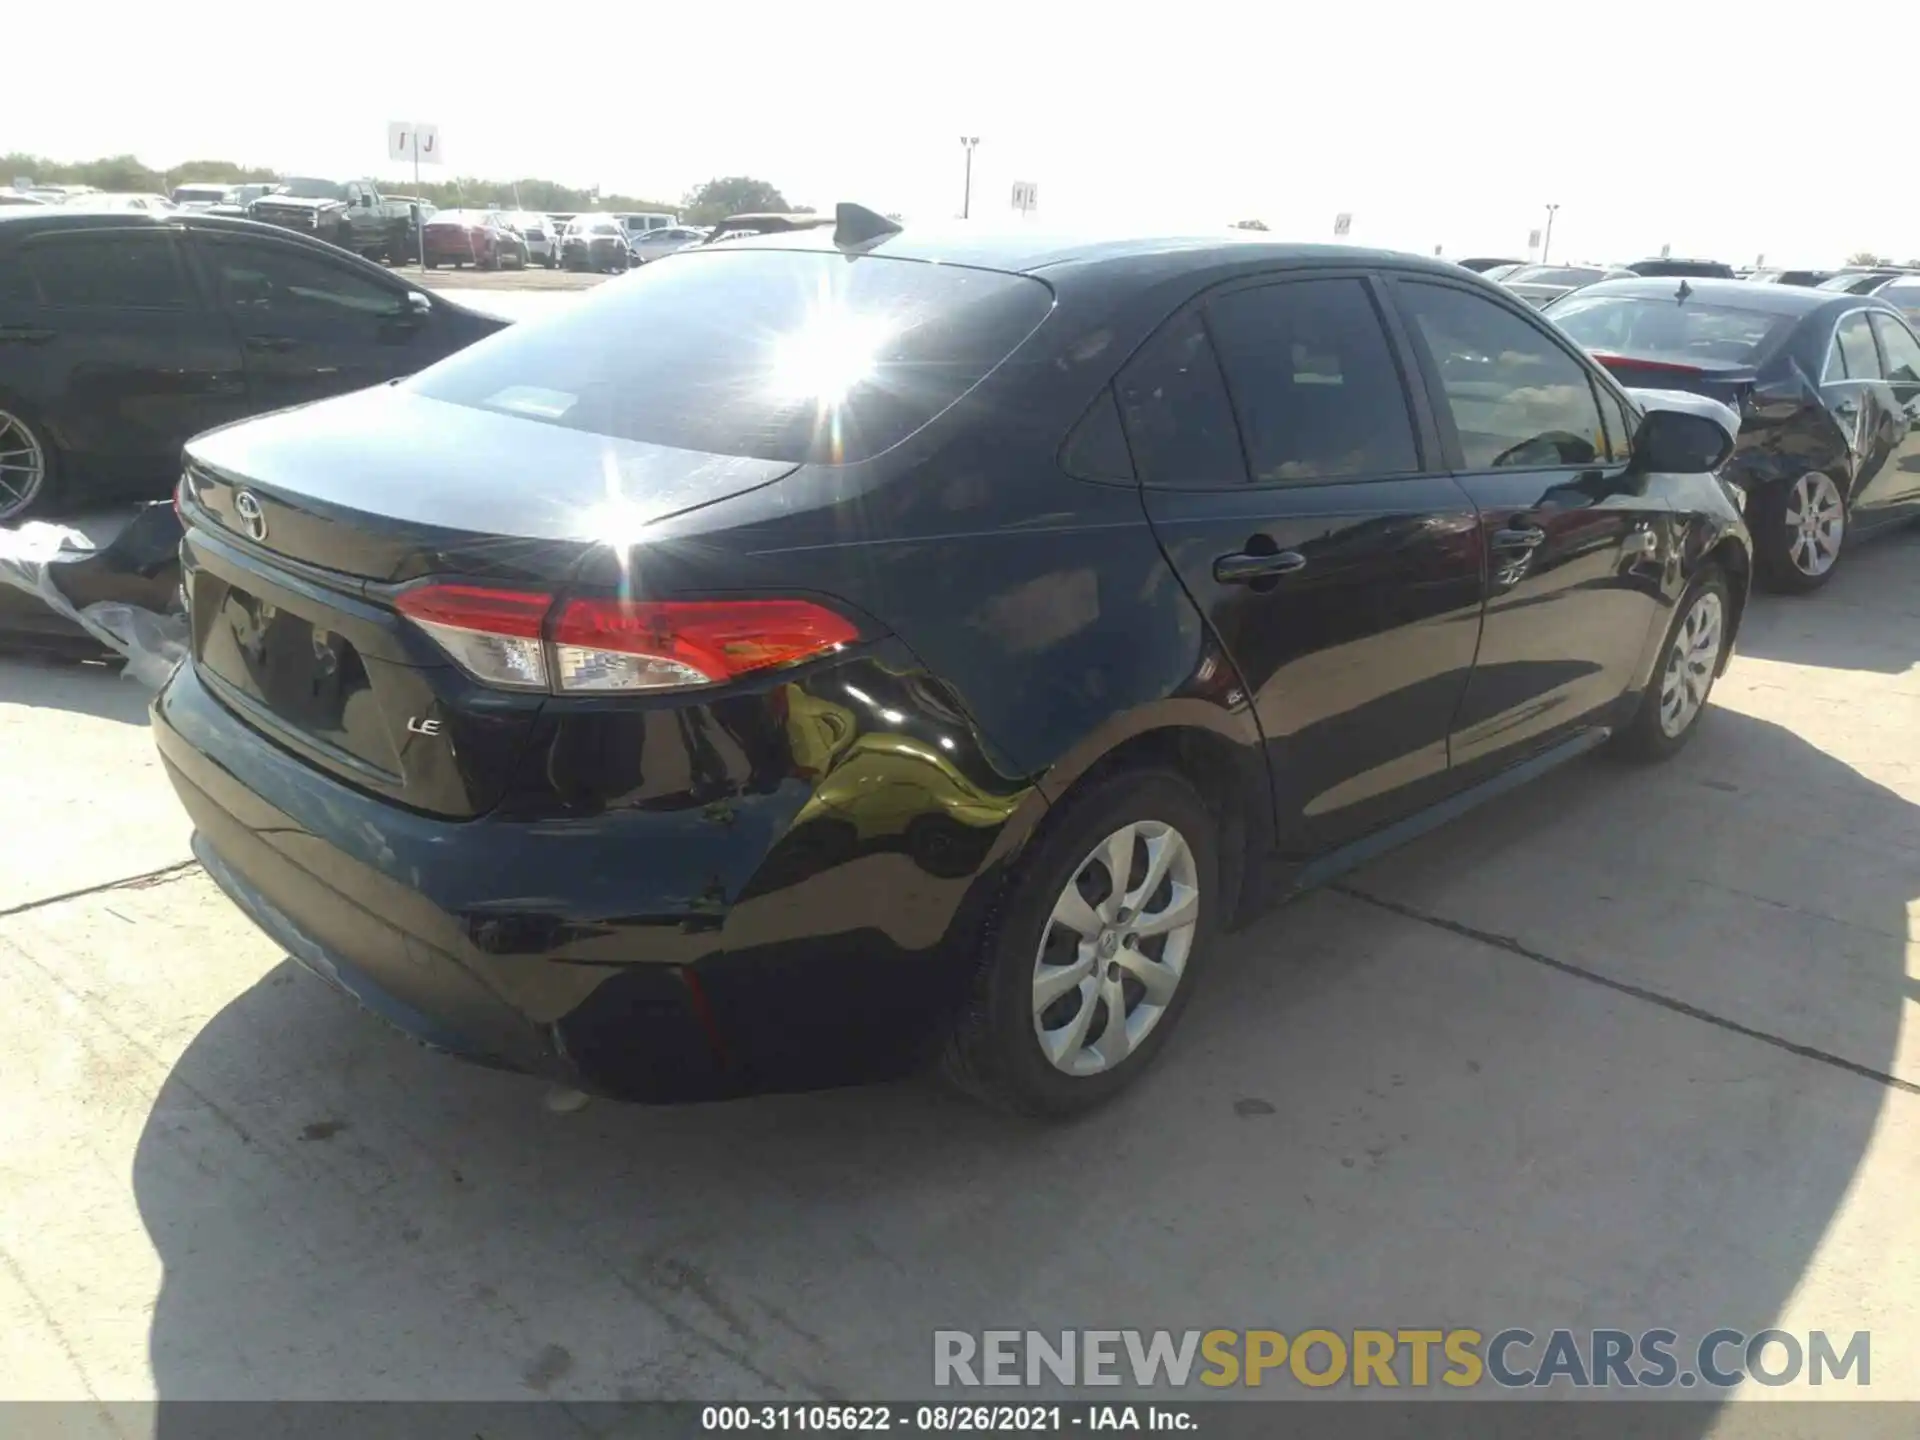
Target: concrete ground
(1626, 1049)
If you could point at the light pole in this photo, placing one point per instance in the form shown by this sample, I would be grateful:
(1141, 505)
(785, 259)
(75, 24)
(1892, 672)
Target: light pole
(967, 143)
(1546, 244)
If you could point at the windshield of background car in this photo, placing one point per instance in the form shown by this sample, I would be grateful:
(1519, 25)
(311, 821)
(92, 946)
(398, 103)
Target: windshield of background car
(771, 354)
(303, 189)
(1665, 329)
(1552, 275)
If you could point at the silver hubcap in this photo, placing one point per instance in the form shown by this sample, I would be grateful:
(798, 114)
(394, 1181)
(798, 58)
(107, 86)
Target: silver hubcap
(1816, 524)
(23, 466)
(1690, 665)
(1115, 947)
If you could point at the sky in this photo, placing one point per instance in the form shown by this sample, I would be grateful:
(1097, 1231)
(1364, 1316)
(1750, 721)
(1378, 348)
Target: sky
(1450, 125)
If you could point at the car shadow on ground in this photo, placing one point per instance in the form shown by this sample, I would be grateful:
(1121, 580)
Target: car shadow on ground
(1878, 586)
(81, 686)
(1368, 1119)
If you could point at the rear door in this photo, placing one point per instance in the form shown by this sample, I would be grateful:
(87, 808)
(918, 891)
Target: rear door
(311, 326)
(110, 340)
(1856, 392)
(1900, 361)
(1297, 491)
(1539, 441)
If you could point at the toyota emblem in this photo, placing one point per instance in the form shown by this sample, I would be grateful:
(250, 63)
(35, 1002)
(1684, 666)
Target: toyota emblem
(253, 519)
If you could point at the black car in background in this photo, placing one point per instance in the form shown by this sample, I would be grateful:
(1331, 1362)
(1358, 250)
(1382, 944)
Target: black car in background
(1678, 269)
(595, 242)
(121, 335)
(1827, 386)
(1805, 278)
(1480, 264)
(836, 648)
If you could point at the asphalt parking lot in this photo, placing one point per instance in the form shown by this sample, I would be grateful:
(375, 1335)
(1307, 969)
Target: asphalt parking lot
(1625, 1049)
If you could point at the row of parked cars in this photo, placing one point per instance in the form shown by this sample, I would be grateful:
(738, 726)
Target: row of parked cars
(1542, 283)
(840, 694)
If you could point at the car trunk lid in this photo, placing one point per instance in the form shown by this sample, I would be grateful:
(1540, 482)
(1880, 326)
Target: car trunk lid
(389, 486)
(306, 525)
(1729, 383)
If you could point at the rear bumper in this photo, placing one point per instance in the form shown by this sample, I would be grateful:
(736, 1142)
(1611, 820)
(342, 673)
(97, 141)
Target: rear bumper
(772, 943)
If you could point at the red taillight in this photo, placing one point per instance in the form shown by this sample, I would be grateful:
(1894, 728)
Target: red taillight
(494, 635)
(505, 637)
(1667, 367)
(659, 644)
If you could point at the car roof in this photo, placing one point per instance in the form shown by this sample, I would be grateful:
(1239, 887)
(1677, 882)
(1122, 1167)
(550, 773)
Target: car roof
(1024, 251)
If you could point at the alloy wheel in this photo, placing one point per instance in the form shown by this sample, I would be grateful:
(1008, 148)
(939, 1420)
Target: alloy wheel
(1691, 661)
(1115, 947)
(23, 466)
(1816, 520)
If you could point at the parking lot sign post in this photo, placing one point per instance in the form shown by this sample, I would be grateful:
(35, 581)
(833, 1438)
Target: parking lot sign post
(1026, 196)
(416, 141)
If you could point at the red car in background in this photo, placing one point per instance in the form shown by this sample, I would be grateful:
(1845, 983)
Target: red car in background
(480, 238)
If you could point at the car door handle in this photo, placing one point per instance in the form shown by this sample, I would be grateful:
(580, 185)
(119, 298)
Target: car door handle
(1519, 538)
(271, 342)
(23, 335)
(1246, 567)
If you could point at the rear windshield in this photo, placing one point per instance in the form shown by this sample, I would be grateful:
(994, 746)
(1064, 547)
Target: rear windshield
(773, 354)
(1666, 329)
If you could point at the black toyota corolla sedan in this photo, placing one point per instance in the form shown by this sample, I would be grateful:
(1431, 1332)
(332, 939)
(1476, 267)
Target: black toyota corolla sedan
(1827, 385)
(829, 651)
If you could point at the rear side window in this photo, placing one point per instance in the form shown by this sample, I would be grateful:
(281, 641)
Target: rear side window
(1178, 419)
(1097, 448)
(772, 354)
(1900, 347)
(1313, 382)
(109, 270)
(1853, 347)
(1516, 398)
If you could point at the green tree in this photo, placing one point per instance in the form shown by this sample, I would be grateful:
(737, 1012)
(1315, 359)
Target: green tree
(217, 172)
(1249, 224)
(1867, 257)
(732, 195)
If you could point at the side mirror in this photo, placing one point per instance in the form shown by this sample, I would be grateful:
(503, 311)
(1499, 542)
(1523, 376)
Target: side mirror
(419, 307)
(1687, 441)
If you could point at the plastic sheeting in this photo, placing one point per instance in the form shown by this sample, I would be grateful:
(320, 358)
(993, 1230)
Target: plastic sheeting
(39, 555)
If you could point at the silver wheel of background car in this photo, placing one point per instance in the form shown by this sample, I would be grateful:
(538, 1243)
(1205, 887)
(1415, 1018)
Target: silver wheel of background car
(23, 465)
(1691, 661)
(1114, 949)
(1816, 519)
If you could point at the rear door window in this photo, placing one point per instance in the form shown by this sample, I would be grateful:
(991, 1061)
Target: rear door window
(777, 355)
(1178, 419)
(1313, 382)
(109, 270)
(1854, 343)
(1517, 399)
(1901, 349)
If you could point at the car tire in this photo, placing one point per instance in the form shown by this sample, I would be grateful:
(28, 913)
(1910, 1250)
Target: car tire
(1042, 975)
(1800, 532)
(29, 483)
(1691, 653)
